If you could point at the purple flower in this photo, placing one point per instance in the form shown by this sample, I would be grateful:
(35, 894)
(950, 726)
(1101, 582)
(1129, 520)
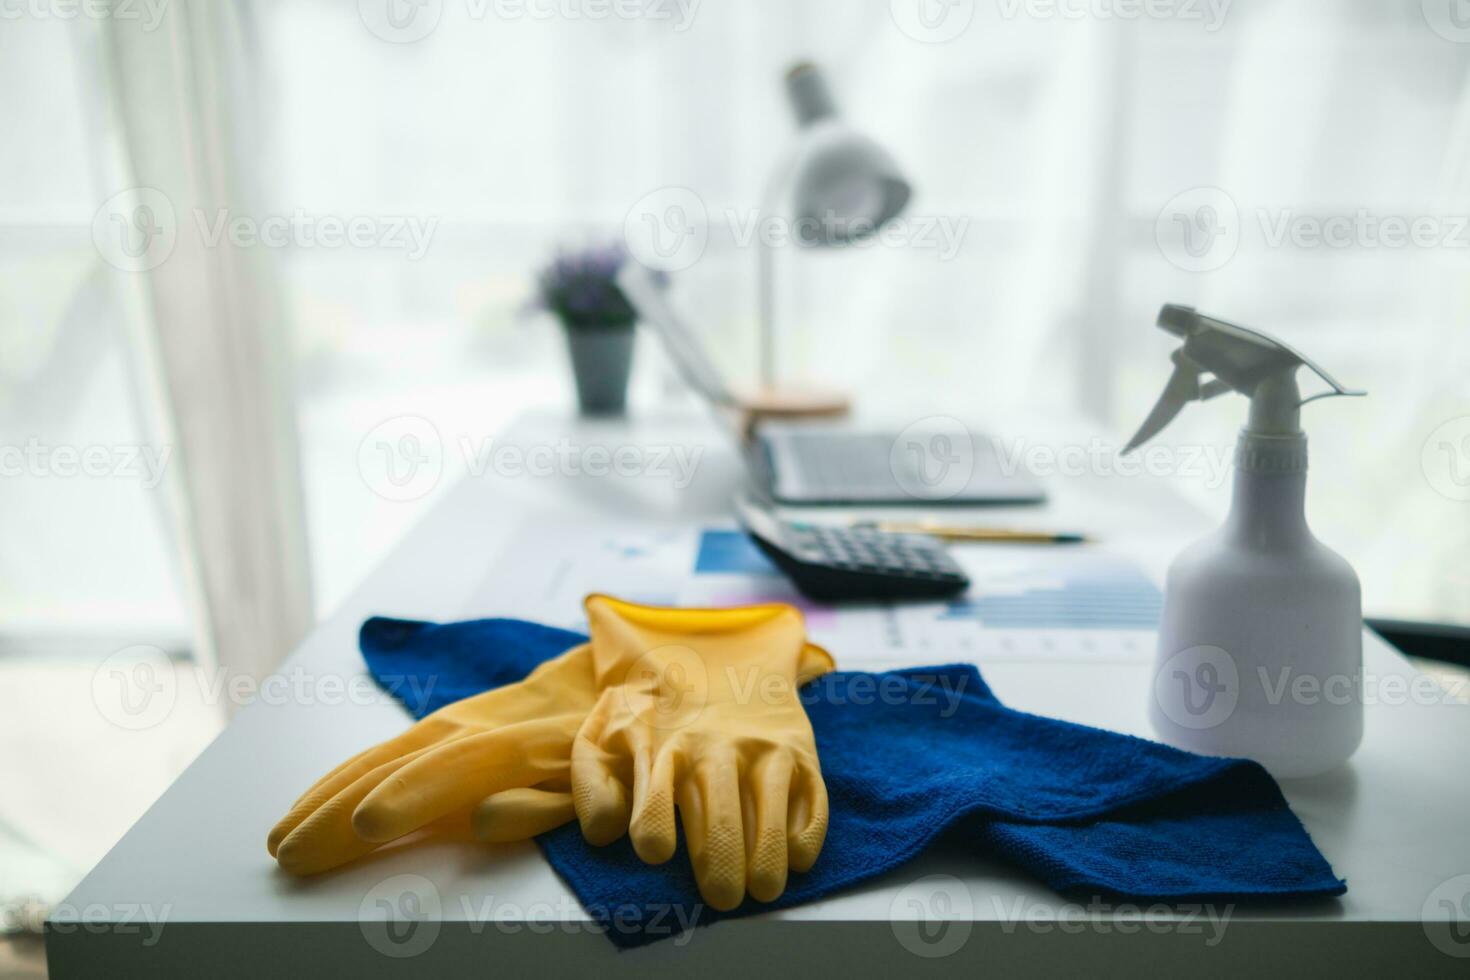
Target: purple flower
(581, 287)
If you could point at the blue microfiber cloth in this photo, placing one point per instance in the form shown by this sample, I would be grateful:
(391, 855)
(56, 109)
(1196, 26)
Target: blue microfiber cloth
(907, 756)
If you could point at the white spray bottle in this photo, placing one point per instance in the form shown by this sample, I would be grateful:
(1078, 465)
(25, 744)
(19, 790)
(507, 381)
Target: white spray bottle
(1260, 649)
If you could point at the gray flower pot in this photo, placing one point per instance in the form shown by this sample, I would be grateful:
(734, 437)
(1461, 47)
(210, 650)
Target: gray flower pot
(602, 357)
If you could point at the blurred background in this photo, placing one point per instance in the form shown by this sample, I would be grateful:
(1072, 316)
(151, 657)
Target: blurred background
(236, 237)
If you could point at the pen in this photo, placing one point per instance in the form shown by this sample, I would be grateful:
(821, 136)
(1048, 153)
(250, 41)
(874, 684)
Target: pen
(950, 532)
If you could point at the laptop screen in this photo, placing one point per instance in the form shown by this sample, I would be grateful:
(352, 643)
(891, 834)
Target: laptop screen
(683, 347)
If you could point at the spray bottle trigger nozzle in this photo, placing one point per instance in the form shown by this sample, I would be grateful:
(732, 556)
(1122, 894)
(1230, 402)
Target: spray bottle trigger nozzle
(1334, 393)
(1232, 358)
(1183, 387)
(1213, 387)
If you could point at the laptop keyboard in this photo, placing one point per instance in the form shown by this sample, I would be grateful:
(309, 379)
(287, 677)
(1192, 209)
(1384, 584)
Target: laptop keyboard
(841, 462)
(826, 466)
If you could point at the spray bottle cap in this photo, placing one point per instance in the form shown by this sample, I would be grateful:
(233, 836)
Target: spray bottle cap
(1237, 359)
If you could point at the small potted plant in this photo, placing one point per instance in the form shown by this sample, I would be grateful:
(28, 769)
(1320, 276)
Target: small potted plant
(581, 289)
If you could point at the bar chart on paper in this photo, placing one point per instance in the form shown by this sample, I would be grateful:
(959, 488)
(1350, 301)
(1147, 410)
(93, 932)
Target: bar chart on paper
(1071, 588)
(1025, 601)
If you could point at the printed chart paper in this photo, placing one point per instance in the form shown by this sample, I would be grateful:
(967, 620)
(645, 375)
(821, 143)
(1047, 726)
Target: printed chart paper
(1026, 602)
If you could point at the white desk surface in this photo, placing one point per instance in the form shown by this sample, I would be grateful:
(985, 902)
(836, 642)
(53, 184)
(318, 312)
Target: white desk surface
(1393, 822)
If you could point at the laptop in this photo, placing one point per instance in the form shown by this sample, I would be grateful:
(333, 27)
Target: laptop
(815, 461)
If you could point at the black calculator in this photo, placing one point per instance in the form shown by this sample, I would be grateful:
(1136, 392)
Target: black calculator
(836, 563)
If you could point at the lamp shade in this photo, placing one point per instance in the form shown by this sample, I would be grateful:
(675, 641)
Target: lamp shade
(844, 186)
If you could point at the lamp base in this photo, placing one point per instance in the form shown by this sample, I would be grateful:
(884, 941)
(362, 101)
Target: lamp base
(790, 403)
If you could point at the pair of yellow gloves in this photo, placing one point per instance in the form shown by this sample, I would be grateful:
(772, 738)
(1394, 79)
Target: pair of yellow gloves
(663, 708)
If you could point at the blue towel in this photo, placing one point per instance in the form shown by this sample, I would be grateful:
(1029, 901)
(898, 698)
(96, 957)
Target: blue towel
(907, 756)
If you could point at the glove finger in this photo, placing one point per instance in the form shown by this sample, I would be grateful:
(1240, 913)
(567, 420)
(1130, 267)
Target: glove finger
(806, 825)
(813, 663)
(598, 795)
(461, 774)
(718, 852)
(652, 827)
(766, 790)
(345, 774)
(325, 839)
(690, 800)
(520, 814)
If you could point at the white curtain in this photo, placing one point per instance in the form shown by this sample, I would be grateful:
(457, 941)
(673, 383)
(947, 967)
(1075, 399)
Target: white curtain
(187, 97)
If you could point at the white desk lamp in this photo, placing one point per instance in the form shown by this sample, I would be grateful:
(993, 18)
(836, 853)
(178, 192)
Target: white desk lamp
(843, 188)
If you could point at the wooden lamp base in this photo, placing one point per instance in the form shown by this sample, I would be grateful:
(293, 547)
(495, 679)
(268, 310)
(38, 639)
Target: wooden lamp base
(789, 404)
(794, 403)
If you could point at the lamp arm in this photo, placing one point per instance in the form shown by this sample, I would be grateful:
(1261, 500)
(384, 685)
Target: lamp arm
(766, 265)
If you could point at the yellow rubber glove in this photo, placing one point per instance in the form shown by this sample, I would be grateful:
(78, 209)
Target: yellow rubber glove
(698, 708)
(516, 814)
(517, 736)
(511, 738)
